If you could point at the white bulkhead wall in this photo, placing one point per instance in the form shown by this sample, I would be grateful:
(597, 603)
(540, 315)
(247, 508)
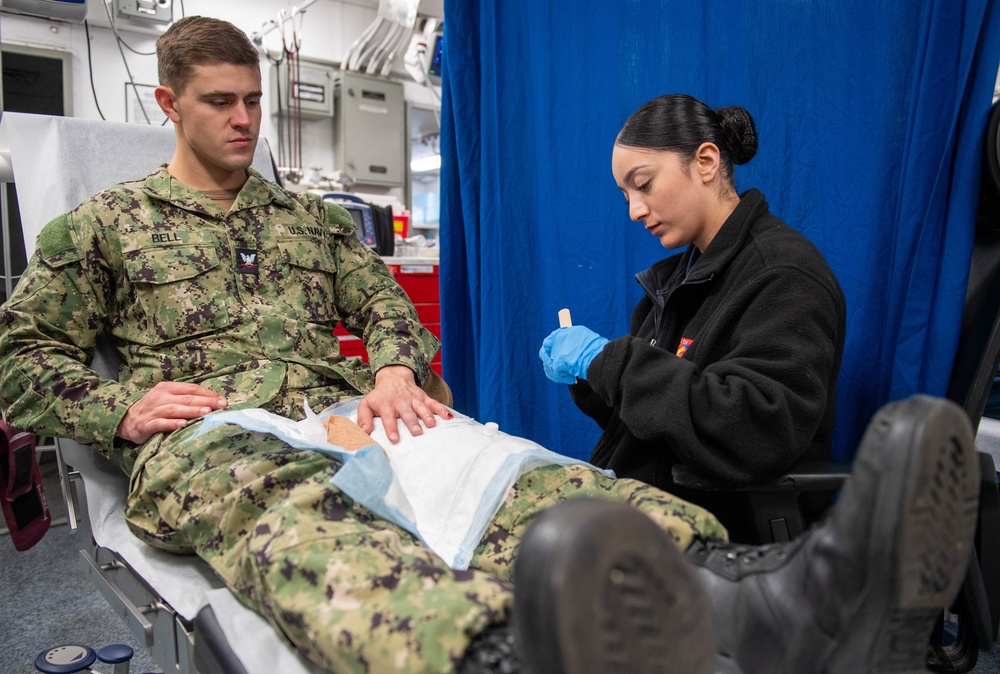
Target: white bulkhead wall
(328, 29)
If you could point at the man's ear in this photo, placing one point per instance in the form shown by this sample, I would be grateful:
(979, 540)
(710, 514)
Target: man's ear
(165, 98)
(708, 161)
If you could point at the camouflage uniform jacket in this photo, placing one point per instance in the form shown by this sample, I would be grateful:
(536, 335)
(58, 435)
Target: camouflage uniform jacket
(243, 302)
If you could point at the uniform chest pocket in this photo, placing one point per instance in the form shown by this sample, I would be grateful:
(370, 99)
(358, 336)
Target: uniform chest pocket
(310, 279)
(179, 288)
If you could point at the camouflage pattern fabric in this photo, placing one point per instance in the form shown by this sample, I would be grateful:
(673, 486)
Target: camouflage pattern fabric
(243, 302)
(353, 593)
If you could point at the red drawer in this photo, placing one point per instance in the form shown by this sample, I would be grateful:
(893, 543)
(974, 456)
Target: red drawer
(420, 287)
(428, 313)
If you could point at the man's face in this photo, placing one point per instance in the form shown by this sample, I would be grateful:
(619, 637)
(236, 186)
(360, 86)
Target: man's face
(219, 118)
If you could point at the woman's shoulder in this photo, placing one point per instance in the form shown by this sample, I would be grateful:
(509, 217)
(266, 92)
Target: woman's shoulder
(777, 239)
(781, 249)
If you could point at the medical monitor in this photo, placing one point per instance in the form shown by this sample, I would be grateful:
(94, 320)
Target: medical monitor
(437, 57)
(364, 223)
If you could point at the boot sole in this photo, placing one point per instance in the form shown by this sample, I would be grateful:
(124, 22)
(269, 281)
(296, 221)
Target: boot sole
(931, 513)
(600, 589)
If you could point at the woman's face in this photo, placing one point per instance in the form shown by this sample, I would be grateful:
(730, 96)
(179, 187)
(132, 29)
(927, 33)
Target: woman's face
(668, 200)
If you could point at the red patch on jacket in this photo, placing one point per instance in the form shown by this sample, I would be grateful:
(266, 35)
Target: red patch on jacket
(684, 346)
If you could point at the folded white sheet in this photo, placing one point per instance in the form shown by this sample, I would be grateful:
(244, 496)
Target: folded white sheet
(444, 485)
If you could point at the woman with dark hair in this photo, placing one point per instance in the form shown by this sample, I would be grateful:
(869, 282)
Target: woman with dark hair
(731, 362)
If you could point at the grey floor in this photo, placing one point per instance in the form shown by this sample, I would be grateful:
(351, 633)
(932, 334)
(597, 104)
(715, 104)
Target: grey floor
(46, 600)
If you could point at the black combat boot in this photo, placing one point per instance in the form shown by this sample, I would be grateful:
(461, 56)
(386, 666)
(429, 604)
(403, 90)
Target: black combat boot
(599, 588)
(860, 592)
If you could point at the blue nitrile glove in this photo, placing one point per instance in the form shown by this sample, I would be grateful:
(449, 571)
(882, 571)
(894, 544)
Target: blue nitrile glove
(567, 353)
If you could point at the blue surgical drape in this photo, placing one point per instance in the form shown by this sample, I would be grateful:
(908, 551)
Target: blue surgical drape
(870, 118)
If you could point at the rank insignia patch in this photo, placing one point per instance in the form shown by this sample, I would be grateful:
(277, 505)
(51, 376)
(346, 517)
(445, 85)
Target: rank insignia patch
(246, 261)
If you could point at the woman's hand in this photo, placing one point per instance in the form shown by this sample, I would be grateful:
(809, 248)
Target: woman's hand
(567, 353)
(397, 397)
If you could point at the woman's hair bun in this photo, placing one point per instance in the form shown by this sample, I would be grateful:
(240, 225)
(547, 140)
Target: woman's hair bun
(740, 133)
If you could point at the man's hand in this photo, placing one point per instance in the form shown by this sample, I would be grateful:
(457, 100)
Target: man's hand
(168, 406)
(397, 397)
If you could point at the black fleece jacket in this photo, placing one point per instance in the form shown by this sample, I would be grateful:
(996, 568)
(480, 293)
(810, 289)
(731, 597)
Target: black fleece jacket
(730, 367)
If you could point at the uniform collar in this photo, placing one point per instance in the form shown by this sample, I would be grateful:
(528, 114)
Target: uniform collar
(732, 236)
(666, 274)
(256, 192)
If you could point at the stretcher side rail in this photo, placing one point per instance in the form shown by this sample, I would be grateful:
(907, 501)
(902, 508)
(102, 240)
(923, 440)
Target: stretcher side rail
(155, 625)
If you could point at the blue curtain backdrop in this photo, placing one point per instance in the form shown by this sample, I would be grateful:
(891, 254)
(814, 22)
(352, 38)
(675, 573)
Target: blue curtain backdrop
(870, 117)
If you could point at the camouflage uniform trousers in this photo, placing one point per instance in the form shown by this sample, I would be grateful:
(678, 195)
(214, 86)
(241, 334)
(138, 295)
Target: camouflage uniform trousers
(350, 591)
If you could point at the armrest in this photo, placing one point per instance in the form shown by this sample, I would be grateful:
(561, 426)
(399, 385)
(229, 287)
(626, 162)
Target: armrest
(811, 475)
(778, 509)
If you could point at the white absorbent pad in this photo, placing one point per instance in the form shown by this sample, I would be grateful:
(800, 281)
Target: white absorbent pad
(444, 486)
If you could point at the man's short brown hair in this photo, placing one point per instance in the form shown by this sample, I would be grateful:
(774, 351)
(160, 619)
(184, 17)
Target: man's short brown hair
(200, 40)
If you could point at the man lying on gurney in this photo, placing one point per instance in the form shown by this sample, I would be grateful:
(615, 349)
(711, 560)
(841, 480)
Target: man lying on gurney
(220, 289)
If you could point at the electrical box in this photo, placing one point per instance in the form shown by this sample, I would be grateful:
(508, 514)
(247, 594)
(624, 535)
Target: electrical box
(312, 91)
(158, 11)
(65, 10)
(368, 137)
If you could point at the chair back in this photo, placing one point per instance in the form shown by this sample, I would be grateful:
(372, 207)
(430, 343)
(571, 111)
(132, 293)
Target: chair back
(58, 162)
